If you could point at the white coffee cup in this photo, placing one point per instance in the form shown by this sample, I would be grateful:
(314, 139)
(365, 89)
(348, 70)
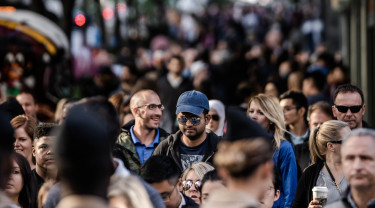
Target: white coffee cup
(320, 194)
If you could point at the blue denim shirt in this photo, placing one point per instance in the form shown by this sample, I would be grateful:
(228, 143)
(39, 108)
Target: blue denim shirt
(144, 152)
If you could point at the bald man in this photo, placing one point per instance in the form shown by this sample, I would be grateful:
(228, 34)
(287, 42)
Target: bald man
(139, 138)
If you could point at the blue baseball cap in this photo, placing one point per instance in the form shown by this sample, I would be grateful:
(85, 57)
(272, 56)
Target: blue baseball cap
(192, 102)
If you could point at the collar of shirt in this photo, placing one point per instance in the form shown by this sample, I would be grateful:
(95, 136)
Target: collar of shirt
(183, 202)
(371, 203)
(299, 139)
(137, 142)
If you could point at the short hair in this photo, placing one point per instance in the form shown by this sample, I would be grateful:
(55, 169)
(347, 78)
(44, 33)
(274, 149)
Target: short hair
(12, 106)
(26, 92)
(318, 79)
(26, 196)
(26, 122)
(298, 98)
(45, 129)
(210, 176)
(200, 168)
(361, 132)
(348, 88)
(320, 136)
(130, 189)
(243, 157)
(321, 105)
(139, 96)
(180, 59)
(159, 168)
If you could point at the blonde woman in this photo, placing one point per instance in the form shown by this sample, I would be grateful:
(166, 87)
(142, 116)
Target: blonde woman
(266, 111)
(127, 192)
(326, 170)
(192, 180)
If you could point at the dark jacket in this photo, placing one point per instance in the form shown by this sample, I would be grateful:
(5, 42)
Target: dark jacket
(305, 185)
(302, 153)
(126, 147)
(344, 202)
(189, 202)
(171, 147)
(366, 125)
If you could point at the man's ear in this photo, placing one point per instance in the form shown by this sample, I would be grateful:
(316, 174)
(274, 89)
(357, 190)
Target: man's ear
(334, 111)
(208, 118)
(277, 195)
(302, 111)
(363, 109)
(179, 184)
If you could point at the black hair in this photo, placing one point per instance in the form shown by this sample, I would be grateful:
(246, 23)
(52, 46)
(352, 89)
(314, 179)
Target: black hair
(210, 176)
(318, 79)
(45, 129)
(159, 168)
(12, 106)
(27, 196)
(348, 88)
(180, 59)
(298, 98)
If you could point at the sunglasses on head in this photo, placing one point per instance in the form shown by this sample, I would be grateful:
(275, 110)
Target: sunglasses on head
(215, 117)
(344, 109)
(186, 185)
(194, 120)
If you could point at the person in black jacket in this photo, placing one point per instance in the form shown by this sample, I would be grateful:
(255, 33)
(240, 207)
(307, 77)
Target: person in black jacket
(163, 174)
(191, 143)
(325, 144)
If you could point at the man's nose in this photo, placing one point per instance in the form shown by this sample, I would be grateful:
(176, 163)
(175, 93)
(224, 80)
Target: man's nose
(358, 164)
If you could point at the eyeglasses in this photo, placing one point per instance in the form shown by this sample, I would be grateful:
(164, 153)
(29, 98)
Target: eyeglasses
(215, 117)
(336, 142)
(153, 106)
(194, 120)
(344, 109)
(167, 196)
(186, 185)
(289, 108)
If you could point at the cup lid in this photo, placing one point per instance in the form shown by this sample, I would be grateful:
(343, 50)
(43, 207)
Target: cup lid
(320, 189)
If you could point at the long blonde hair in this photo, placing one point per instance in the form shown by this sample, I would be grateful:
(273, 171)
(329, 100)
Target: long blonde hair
(271, 108)
(320, 136)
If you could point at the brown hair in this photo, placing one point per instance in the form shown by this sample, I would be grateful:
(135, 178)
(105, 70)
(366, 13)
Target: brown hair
(27, 122)
(241, 158)
(321, 105)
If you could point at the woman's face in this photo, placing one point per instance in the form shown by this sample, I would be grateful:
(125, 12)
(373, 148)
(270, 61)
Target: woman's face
(256, 114)
(15, 183)
(213, 125)
(23, 144)
(193, 192)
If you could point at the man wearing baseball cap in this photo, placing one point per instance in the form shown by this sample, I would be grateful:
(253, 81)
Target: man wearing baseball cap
(191, 143)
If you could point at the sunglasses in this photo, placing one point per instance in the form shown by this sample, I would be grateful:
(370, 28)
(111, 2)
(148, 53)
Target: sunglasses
(186, 185)
(344, 109)
(215, 117)
(194, 120)
(153, 106)
(336, 142)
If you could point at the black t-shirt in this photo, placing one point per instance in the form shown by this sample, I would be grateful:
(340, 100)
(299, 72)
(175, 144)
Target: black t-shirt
(38, 181)
(190, 155)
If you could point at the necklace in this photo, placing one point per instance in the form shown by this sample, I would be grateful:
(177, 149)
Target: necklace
(333, 179)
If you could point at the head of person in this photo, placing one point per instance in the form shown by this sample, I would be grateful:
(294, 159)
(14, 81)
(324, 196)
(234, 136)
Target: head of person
(44, 139)
(6, 147)
(20, 185)
(176, 64)
(247, 160)
(294, 106)
(82, 148)
(315, 80)
(326, 139)
(100, 108)
(127, 192)
(192, 114)
(162, 173)
(24, 127)
(217, 113)
(192, 180)
(318, 113)
(12, 107)
(147, 109)
(271, 88)
(266, 111)
(28, 103)
(211, 182)
(349, 105)
(272, 192)
(358, 160)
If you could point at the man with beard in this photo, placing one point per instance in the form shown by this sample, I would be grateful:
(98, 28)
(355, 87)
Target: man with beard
(45, 168)
(191, 143)
(139, 137)
(349, 106)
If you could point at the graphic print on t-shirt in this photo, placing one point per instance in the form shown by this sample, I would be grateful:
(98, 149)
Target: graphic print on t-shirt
(188, 160)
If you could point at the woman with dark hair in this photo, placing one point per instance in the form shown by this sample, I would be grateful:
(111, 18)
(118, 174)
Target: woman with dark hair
(20, 185)
(24, 127)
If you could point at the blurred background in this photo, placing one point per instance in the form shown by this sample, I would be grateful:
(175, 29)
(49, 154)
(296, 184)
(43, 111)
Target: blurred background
(231, 48)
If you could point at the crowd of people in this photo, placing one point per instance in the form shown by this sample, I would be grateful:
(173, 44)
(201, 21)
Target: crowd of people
(271, 154)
